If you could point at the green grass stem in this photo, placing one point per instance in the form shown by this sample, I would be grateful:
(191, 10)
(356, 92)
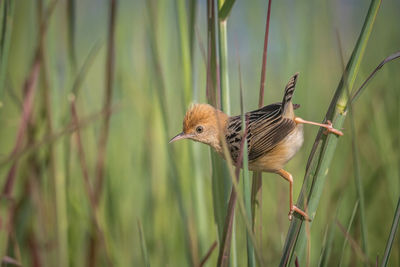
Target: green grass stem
(392, 235)
(143, 245)
(257, 176)
(246, 178)
(356, 168)
(185, 50)
(224, 88)
(6, 25)
(225, 9)
(221, 184)
(353, 214)
(325, 146)
(326, 246)
(197, 187)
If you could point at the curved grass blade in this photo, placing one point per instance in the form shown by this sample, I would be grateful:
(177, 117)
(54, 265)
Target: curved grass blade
(325, 146)
(362, 87)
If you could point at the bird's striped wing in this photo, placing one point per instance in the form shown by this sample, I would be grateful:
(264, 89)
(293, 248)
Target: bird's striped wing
(266, 128)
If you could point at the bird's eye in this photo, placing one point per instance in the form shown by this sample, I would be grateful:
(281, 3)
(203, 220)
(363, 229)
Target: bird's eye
(199, 129)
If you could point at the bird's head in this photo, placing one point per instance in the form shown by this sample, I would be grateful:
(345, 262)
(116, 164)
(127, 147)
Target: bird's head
(202, 123)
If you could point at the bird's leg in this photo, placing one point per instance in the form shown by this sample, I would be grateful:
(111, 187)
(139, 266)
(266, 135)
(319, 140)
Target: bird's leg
(292, 208)
(327, 125)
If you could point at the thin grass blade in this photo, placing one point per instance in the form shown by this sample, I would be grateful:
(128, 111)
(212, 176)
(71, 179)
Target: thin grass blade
(221, 183)
(208, 254)
(392, 235)
(357, 250)
(185, 51)
(223, 83)
(7, 13)
(246, 177)
(71, 19)
(362, 87)
(353, 214)
(223, 60)
(236, 195)
(257, 176)
(327, 246)
(143, 245)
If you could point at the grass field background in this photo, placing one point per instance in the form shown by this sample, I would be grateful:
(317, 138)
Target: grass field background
(159, 69)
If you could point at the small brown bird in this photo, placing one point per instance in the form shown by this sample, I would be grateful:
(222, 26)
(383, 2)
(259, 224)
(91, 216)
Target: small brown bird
(274, 135)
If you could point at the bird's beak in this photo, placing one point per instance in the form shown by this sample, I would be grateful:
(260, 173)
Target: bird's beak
(179, 137)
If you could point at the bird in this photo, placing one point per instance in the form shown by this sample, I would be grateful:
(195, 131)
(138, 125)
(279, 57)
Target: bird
(274, 135)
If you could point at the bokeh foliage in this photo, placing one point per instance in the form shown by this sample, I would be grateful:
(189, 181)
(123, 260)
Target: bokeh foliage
(166, 189)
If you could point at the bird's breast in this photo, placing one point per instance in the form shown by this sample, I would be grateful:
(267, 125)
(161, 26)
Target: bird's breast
(294, 141)
(277, 157)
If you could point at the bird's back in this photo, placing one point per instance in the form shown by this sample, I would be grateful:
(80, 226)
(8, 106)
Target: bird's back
(268, 129)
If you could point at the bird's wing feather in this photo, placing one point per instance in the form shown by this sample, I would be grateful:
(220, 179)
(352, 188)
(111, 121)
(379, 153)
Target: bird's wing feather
(266, 128)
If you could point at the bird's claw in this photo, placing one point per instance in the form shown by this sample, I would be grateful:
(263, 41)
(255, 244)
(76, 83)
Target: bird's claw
(330, 129)
(299, 212)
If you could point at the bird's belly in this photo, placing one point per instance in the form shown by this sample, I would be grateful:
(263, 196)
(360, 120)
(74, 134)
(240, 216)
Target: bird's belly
(276, 158)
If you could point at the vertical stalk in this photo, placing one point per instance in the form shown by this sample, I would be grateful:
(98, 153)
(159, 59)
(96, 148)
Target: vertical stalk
(59, 179)
(221, 184)
(225, 96)
(71, 33)
(353, 214)
(185, 50)
(246, 177)
(104, 131)
(264, 61)
(257, 176)
(356, 166)
(186, 44)
(324, 146)
(109, 81)
(223, 63)
(358, 182)
(392, 235)
(143, 245)
(7, 13)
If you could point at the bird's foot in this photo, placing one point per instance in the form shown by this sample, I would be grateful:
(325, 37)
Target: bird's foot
(298, 211)
(330, 129)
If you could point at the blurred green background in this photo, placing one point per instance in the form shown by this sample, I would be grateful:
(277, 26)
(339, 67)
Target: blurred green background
(53, 222)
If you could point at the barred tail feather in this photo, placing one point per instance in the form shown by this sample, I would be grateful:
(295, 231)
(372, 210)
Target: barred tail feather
(289, 90)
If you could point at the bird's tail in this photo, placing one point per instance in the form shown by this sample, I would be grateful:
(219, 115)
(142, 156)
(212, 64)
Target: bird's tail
(289, 90)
